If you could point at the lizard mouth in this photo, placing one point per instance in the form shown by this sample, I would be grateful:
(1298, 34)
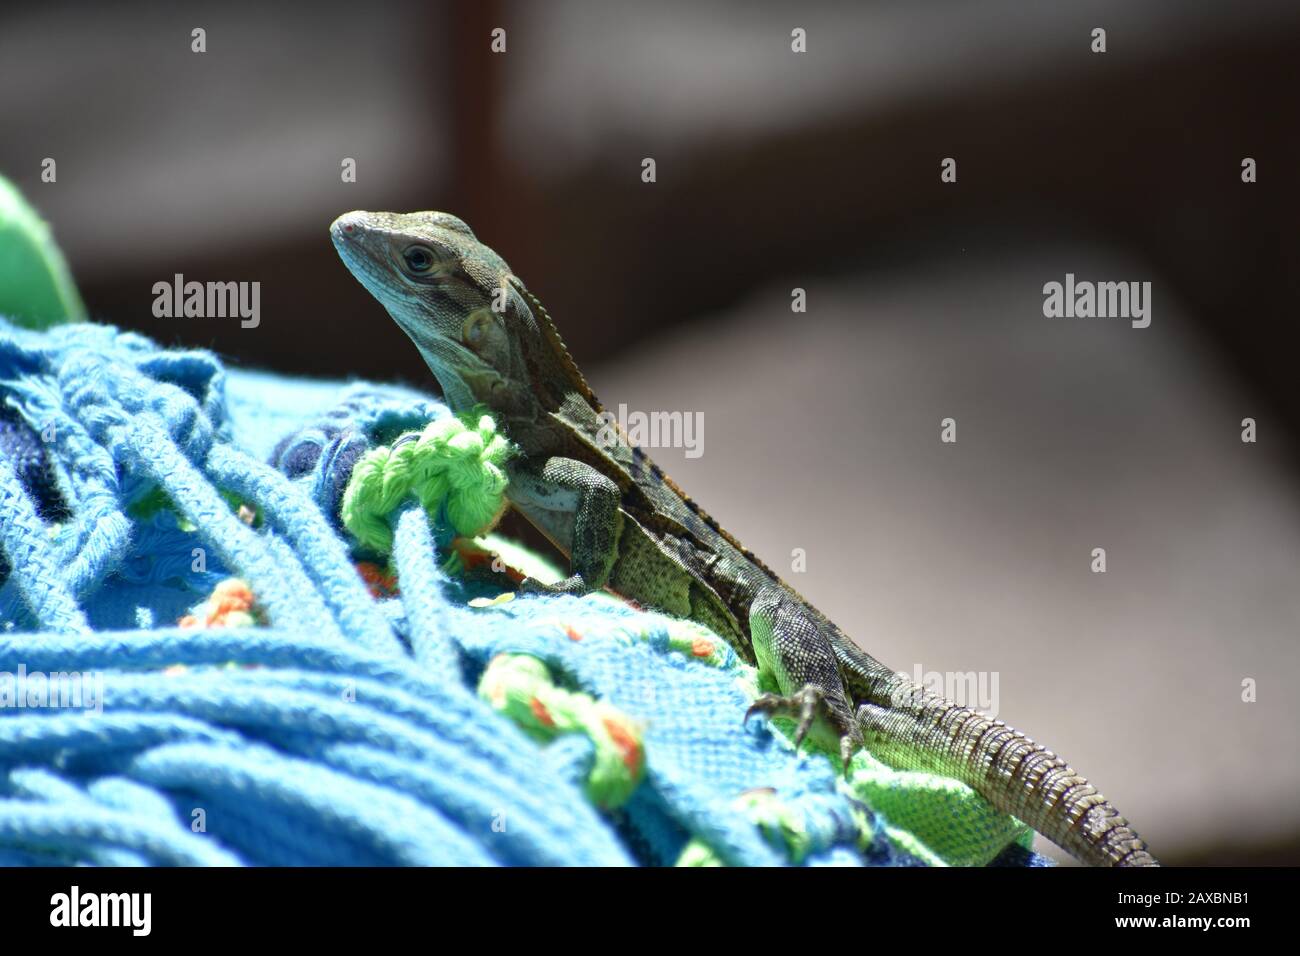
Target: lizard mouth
(353, 242)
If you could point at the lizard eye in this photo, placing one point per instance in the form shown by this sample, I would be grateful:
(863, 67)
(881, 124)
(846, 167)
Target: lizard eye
(418, 259)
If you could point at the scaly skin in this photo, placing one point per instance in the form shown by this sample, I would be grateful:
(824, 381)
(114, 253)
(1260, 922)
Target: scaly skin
(625, 526)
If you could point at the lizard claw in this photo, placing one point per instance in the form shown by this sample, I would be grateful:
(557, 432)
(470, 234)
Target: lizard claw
(802, 706)
(850, 744)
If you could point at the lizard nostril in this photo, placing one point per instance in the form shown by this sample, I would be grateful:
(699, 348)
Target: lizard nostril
(349, 224)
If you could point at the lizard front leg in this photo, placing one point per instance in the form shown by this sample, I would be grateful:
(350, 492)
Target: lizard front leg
(577, 507)
(792, 647)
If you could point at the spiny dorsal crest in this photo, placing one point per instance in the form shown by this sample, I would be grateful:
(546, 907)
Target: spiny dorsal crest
(561, 350)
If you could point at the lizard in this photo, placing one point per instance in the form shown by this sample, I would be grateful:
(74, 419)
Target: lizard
(627, 527)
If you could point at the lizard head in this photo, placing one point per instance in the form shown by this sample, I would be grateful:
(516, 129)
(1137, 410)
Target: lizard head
(454, 297)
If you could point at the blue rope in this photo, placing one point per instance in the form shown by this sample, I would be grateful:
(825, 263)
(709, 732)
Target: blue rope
(33, 565)
(431, 642)
(307, 532)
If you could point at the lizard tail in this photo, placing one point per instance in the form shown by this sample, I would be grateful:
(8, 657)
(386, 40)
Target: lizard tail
(923, 731)
(907, 727)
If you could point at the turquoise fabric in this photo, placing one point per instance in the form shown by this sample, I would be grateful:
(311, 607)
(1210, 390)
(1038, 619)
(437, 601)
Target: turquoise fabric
(347, 730)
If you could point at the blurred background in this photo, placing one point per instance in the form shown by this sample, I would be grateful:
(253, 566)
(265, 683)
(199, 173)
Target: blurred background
(817, 170)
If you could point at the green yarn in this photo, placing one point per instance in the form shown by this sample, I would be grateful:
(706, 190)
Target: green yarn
(456, 463)
(154, 500)
(936, 818)
(774, 818)
(932, 815)
(521, 687)
(698, 853)
(36, 288)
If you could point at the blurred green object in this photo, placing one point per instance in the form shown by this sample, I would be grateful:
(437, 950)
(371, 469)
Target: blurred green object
(36, 289)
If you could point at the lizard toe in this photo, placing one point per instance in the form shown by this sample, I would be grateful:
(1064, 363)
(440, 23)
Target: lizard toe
(802, 706)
